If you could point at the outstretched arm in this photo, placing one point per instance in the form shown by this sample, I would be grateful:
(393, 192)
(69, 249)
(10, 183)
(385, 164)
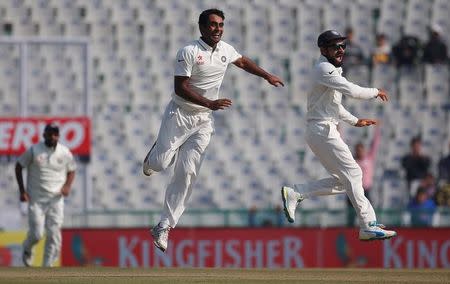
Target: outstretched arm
(328, 76)
(182, 89)
(251, 67)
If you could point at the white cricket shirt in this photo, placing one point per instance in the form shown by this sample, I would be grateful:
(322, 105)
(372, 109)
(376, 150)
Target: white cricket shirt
(324, 100)
(206, 69)
(47, 169)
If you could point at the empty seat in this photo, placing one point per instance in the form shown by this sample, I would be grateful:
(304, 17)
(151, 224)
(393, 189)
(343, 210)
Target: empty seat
(437, 85)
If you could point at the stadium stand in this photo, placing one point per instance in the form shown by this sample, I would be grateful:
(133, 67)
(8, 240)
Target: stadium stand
(258, 144)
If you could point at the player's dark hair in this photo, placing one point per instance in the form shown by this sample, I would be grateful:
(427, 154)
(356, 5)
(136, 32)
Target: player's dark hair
(415, 139)
(51, 128)
(204, 16)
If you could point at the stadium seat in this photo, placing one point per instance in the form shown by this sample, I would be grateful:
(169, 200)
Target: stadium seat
(333, 15)
(417, 19)
(385, 76)
(391, 13)
(257, 38)
(437, 85)
(308, 26)
(394, 193)
(359, 75)
(282, 27)
(411, 91)
(362, 22)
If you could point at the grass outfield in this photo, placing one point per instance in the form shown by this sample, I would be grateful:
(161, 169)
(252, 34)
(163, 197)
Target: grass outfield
(186, 276)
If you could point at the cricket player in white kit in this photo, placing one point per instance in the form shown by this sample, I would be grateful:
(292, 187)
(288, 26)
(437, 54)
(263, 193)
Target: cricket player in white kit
(187, 124)
(50, 173)
(324, 112)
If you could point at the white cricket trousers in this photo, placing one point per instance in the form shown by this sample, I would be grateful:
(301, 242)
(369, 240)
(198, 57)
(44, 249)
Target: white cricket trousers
(48, 214)
(183, 139)
(325, 141)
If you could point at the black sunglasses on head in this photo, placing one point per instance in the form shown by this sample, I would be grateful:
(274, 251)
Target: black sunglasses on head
(337, 46)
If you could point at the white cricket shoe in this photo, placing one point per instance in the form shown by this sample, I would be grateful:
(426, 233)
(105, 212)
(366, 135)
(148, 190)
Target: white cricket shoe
(145, 166)
(27, 258)
(290, 201)
(160, 237)
(375, 232)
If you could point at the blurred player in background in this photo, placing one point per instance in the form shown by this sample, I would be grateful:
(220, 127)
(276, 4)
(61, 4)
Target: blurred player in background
(187, 124)
(324, 112)
(50, 173)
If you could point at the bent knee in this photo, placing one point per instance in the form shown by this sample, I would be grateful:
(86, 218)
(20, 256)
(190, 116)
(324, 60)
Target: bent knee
(158, 165)
(37, 236)
(356, 172)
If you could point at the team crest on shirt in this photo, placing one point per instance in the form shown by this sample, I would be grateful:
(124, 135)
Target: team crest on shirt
(200, 60)
(42, 158)
(223, 58)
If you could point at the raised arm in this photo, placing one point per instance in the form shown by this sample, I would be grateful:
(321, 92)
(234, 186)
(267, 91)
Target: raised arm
(375, 143)
(251, 67)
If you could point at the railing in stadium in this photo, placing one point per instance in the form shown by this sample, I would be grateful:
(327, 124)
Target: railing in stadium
(252, 218)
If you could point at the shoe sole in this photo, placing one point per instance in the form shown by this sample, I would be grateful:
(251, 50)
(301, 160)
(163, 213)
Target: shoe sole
(145, 161)
(147, 173)
(26, 263)
(286, 213)
(378, 239)
(159, 247)
(156, 243)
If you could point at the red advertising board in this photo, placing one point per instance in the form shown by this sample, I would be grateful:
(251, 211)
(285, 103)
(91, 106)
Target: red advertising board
(254, 248)
(17, 133)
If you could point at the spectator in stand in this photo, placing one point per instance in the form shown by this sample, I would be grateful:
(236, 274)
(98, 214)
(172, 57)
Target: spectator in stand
(382, 52)
(354, 55)
(252, 212)
(435, 51)
(279, 216)
(406, 51)
(416, 164)
(422, 208)
(444, 169)
(443, 193)
(443, 196)
(428, 183)
(366, 161)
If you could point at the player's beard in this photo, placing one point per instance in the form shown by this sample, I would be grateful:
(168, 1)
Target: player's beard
(50, 143)
(333, 61)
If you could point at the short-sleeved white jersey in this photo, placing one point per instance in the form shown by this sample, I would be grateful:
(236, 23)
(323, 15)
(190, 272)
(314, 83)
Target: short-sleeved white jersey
(205, 67)
(47, 169)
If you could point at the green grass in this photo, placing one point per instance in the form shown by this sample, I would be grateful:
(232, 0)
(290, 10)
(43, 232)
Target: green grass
(194, 275)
